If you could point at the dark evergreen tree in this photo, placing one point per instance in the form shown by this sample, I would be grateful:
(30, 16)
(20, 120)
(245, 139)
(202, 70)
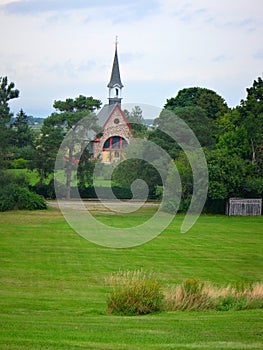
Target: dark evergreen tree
(7, 93)
(23, 134)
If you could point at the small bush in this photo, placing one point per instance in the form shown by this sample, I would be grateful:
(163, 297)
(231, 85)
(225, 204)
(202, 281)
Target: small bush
(241, 296)
(29, 200)
(134, 293)
(45, 190)
(231, 303)
(13, 196)
(20, 163)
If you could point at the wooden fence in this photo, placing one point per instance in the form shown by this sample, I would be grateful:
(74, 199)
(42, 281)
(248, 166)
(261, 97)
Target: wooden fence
(244, 207)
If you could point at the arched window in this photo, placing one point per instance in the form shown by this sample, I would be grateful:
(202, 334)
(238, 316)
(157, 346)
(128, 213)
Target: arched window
(117, 92)
(114, 143)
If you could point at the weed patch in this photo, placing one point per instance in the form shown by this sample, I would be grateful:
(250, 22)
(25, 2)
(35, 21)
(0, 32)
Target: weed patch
(138, 293)
(134, 293)
(195, 295)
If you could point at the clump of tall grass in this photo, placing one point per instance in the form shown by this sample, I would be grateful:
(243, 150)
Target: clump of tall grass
(193, 294)
(189, 295)
(242, 296)
(139, 293)
(134, 293)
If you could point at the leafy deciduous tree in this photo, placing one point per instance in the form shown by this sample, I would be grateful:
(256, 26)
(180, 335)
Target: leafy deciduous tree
(251, 111)
(55, 128)
(213, 104)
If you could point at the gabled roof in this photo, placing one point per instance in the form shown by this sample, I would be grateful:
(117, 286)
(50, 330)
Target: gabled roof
(117, 106)
(115, 74)
(104, 114)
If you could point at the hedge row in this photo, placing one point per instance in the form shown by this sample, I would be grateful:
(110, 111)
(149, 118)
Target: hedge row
(48, 192)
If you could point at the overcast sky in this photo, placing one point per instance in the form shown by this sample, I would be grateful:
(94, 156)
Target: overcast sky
(55, 49)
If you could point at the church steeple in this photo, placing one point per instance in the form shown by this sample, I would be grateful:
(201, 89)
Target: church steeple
(115, 85)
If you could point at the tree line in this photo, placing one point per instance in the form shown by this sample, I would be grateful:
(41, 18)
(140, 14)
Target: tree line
(232, 139)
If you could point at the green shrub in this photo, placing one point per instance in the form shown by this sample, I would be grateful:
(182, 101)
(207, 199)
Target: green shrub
(7, 200)
(45, 190)
(20, 163)
(134, 293)
(13, 196)
(231, 303)
(29, 200)
(7, 178)
(243, 295)
(254, 303)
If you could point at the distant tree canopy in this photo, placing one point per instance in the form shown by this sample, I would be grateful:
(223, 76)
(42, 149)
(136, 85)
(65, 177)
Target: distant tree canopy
(195, 117)
(251, 112)
(199, 108)
(213, 104)
(80, 103)
(14, 190)
(233, 139)
(135, 119)
(241, 129)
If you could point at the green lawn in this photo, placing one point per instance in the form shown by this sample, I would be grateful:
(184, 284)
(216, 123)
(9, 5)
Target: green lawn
(53, 290)
(104, 183)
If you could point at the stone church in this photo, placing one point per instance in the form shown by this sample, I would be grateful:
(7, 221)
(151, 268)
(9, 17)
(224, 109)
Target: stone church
(116, 129)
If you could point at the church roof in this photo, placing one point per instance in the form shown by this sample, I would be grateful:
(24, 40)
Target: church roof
(115, 74)
(104, 114)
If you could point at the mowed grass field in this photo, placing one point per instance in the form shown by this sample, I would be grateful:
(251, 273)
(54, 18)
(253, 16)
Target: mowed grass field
(53, 288)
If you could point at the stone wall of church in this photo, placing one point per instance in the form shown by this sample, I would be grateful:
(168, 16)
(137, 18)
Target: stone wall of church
(116, 126)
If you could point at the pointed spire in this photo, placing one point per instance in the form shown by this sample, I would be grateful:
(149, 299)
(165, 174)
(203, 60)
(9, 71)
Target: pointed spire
(115, 79)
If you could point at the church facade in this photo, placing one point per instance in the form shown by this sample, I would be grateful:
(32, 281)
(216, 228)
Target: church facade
(116, 129)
